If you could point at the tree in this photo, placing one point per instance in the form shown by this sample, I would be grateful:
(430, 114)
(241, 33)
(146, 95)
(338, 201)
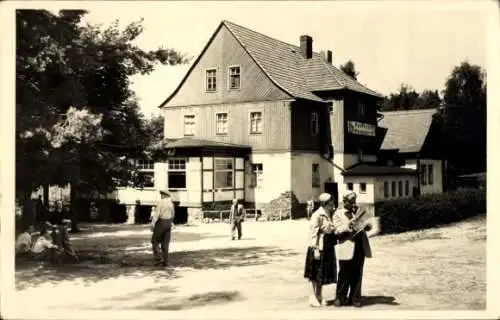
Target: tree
(429, 99)
(405, 99)
(61, 63)
(463, 119)
(348, 68)
(155, 128)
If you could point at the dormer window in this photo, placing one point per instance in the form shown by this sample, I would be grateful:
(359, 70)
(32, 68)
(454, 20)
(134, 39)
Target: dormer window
(234, 78)
(211, 80)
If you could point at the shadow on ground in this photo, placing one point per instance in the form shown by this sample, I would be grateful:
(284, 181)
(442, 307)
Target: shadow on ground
(137, 264)
(373, 300)
(194, 301)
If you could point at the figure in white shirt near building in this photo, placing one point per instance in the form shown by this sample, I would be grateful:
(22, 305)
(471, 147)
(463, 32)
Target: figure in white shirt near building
(44, 249)
(310, 208)
(161, 225)
(24, 241)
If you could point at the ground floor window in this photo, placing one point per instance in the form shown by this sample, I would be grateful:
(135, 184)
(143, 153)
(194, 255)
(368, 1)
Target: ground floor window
(177, 174)
(362, 187)
(257, 172)
(400, 188)
(393, 191)
(146, 174)
(407, 188)
(224, 173)
(350, 186)
(386, 189)
(315, 175)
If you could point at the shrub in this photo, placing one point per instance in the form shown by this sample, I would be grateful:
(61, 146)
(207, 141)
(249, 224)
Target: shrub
(428, 211)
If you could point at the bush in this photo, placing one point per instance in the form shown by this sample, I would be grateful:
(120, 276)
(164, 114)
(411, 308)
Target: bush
(429, 211)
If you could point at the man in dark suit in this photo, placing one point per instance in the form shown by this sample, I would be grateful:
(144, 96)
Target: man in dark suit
(351, 252)
(236, 218)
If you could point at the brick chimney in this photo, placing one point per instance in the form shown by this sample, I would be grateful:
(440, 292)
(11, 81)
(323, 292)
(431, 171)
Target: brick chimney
(306, 46)
(327, 56)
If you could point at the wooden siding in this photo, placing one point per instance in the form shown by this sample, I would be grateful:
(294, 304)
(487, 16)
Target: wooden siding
(276, 125)
(353, 142)
(337, 125)
(302, 137)
(225, 51)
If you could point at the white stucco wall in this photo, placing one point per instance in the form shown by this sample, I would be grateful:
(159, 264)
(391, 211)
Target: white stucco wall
(437, 172)
(366, 197)
(379, 186)
(275, 177)
(301, 175)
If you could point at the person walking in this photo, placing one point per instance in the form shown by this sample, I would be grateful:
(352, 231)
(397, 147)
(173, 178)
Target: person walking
(351, 251)
(310, 208)
(321, 264)
(236, 218)
(161, 225)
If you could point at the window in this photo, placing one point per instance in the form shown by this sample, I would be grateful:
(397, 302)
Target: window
(362, 187)
(393, 191)
(400, 188)
(223, 173)
(221, 123)
(423, 174)
(257, 170)
(361, 110)
(255, 122)
(234, 78)
(315, 175)
(314, 123)
(407, 188)
(146, 173)
(430, 174)
(189, 124)
(349, 186)
(386, 189)
(176, 173)
(211, 80)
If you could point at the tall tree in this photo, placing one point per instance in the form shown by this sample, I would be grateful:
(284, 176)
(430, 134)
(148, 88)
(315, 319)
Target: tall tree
(349, 69)
(76, 116)
(429, 99)
(405, 99)
(463, 118)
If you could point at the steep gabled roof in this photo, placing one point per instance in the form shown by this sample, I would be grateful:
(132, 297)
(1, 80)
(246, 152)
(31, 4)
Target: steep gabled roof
(407, 129)
(286, 67)
(367, 169)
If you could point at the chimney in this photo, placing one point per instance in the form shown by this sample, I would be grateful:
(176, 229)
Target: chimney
(306, 46)
(327, 56)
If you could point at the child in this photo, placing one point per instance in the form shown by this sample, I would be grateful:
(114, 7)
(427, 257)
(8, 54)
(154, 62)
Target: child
(44, 249)
(23, 241)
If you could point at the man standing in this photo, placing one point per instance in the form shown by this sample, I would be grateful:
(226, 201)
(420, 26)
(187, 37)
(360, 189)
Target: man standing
(161, 225)
(310, 208)
(351, 251)
(236, 217)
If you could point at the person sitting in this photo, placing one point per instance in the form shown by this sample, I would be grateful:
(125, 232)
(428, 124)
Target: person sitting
(60, 237)
(24, 241)
(44, 249)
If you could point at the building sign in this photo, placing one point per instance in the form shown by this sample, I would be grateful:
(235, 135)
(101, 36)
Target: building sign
(360, 128)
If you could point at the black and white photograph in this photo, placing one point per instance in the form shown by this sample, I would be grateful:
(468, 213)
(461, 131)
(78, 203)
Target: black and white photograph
(248, 159)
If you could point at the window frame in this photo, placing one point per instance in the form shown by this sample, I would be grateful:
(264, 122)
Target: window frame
(181, 162)
(146, 166)
(393, 189)
(350, 186)
(315, 176)
(314, 123)
(423, 174)
(430, 174)
(256, 174)
(400, 188)
(217, 122)
(386, 189)
(207, 77)
(186, 134)
(229, 75)
(230, 170)
(250, 119)
(407, 188)
(362, 189)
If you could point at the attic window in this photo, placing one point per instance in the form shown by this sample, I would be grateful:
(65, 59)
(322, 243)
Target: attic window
(234, 77)
(211, 80)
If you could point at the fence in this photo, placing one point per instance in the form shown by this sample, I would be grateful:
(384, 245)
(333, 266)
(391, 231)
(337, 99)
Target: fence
(223, 215)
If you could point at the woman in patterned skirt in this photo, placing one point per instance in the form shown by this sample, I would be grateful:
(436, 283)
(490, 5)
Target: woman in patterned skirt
(321, 264)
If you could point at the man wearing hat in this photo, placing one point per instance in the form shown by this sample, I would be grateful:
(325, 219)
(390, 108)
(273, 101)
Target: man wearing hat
(236, 218)
(351, 252)
(161, 224)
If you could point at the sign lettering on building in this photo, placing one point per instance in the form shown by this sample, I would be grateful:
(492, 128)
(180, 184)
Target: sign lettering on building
(364, 129)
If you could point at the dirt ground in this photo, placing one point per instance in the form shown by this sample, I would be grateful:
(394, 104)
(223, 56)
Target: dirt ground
(438, 269)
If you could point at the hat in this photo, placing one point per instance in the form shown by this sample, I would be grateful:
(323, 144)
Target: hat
(235, 200)
(350, 197)
(324, 197)
(165, 192)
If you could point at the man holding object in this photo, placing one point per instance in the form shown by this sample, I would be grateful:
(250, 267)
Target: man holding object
(161, 225)
(236, 217)
(352, 249)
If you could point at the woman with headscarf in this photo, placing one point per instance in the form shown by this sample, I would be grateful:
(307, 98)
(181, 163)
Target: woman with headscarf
(351, 250)
(321, 264)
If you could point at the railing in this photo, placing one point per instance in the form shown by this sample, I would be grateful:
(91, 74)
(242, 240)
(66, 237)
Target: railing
(223, 215)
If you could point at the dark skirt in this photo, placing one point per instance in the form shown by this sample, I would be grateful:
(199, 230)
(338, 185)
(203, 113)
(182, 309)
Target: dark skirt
(324, 270)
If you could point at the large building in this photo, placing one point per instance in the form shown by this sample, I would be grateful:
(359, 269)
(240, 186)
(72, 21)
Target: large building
(274, 124)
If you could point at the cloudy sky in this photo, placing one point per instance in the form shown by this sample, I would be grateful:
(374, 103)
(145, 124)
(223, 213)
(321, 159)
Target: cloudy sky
(416, 43)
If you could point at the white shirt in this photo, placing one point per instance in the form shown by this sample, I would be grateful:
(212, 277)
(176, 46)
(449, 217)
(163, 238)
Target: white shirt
(23, 242)
(41, 244)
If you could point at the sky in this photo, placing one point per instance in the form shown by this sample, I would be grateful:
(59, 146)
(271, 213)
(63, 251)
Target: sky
(412, 42)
